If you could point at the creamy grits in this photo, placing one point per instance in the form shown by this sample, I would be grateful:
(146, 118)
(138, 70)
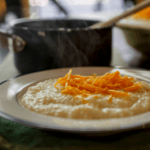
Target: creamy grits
(45, 99)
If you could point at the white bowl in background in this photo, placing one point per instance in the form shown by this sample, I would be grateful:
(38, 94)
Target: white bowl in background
(137, 33)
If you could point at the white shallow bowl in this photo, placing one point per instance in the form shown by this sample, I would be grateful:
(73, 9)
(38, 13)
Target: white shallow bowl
(12, 90)
(137, 33)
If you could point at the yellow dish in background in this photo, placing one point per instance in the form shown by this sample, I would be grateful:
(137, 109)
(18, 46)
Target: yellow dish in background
(143, 14)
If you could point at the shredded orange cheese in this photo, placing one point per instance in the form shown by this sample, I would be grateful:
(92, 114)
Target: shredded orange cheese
(112, 84)
(143, 14)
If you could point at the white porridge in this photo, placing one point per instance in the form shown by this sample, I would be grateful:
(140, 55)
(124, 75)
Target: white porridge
(125, 97)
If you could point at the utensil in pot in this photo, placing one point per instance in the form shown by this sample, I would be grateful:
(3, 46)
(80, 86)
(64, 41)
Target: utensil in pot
(112, 21)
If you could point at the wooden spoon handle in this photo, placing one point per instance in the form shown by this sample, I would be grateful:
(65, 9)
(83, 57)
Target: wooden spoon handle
(112, 21)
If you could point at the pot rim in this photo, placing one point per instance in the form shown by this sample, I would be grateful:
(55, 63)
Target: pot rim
(13, 24)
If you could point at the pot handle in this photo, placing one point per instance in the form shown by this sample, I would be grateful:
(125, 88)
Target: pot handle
(17, 44)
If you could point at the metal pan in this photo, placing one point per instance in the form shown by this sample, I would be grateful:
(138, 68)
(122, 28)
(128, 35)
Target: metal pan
(48, 44)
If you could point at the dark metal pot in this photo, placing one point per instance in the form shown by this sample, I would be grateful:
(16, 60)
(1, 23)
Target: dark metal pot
(49, 44)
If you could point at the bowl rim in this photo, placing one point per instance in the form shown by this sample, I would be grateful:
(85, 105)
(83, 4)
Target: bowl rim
(130, 23)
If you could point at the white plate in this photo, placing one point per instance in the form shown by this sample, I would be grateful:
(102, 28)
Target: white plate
(13, 89)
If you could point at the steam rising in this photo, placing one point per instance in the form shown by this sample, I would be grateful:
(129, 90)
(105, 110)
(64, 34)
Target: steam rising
(75, 46)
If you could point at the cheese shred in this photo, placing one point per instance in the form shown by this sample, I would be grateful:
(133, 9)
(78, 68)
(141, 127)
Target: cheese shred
(111, 84)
